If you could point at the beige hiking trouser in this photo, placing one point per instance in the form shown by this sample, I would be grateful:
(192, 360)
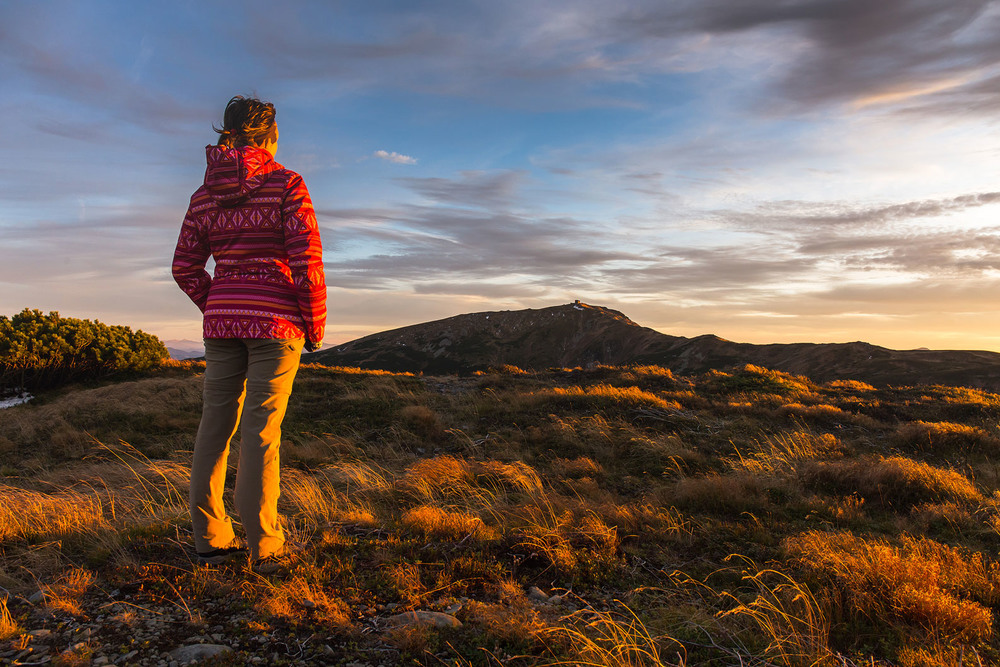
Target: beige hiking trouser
(252, 377)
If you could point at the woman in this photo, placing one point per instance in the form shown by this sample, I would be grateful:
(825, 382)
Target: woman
(266, 301)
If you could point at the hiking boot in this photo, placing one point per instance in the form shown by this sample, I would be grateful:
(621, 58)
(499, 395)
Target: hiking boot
(279, 560)
(222, 555)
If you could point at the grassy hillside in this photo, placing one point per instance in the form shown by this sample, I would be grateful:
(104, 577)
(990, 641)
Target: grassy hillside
(614, 516)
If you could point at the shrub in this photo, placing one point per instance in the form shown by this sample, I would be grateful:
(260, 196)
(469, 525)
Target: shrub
(43, 351)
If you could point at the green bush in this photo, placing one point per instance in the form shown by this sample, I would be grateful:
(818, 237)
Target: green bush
(39, 351)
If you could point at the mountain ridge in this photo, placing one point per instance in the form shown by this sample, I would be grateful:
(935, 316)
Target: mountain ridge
(582, 335)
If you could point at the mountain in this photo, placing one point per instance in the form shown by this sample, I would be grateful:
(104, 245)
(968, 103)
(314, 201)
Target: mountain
(579, 334)
(184, 349)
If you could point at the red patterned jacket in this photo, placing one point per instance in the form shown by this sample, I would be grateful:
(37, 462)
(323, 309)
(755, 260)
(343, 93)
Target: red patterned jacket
(256, 219)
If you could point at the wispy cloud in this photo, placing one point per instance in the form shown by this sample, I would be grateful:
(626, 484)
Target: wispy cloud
(395, 157)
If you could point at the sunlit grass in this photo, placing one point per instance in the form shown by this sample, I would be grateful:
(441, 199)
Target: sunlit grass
(924, 584)
(459, 495)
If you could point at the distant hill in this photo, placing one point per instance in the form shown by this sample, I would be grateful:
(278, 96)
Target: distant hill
(185, 349)
(579, 334)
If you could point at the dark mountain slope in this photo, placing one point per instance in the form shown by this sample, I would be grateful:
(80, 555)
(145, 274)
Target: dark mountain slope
(578, 334)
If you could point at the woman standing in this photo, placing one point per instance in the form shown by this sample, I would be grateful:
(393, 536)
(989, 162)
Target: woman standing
(265, 302)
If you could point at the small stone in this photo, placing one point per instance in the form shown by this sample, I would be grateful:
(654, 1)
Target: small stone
(37, 597)
(430, 618)
(537, 594)
(197, 652)
(557, 599)
(218, 636)
(308, 604)
(40, 633)
(100, 660)
(454, 609)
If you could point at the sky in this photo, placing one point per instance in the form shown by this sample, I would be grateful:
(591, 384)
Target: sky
(768, 171)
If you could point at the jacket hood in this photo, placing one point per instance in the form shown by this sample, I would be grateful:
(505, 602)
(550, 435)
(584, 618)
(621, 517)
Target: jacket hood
(234, 173)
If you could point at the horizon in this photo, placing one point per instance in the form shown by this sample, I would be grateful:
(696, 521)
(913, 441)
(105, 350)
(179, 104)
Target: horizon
(807, 172)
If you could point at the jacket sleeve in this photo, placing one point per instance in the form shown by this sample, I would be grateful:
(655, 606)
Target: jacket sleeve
(190, 256)
(305, 257)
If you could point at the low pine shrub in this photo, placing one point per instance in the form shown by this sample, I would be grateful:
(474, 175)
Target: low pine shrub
(40, 351)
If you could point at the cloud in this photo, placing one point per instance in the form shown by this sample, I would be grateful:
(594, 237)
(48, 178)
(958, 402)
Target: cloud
(920, 54)
(395, 157)
(809, 217)
(472, 188)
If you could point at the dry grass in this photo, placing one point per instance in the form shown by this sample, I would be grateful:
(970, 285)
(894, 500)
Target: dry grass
(440, 524)
(158, 415)
(933, 588)
(946, 437)
(65, 592)
(9, 628)
(602, 482)
(850, 385)
(552, 529)
(791, 619)
(94, 500)
(614, 639)
(891, 481)
(782, 451)
(604, 396)
(314, 500)
(733, 493)
(297, 600)
(352, 371)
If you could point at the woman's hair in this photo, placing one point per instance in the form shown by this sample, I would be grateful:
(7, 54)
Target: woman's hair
(247, 121)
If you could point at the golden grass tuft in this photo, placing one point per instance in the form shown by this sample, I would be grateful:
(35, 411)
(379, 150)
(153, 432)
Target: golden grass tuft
(792, 620)
(605, 396)
(945, 437)
(440, 524)
(510, 476)
(297, 599)
(512, 620)
(928, 586)
(733, 493)
(948, 516)
(314, 499)
(561, 536)
(446, 476)
(651, 371)
(781, 451)
(422, 420)
(582, 466)
(850, 385)
(614, 639)
(938, 655)
(891, 481)
(9, 628)
(352, 370)
(96, 499)
(65, 592)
